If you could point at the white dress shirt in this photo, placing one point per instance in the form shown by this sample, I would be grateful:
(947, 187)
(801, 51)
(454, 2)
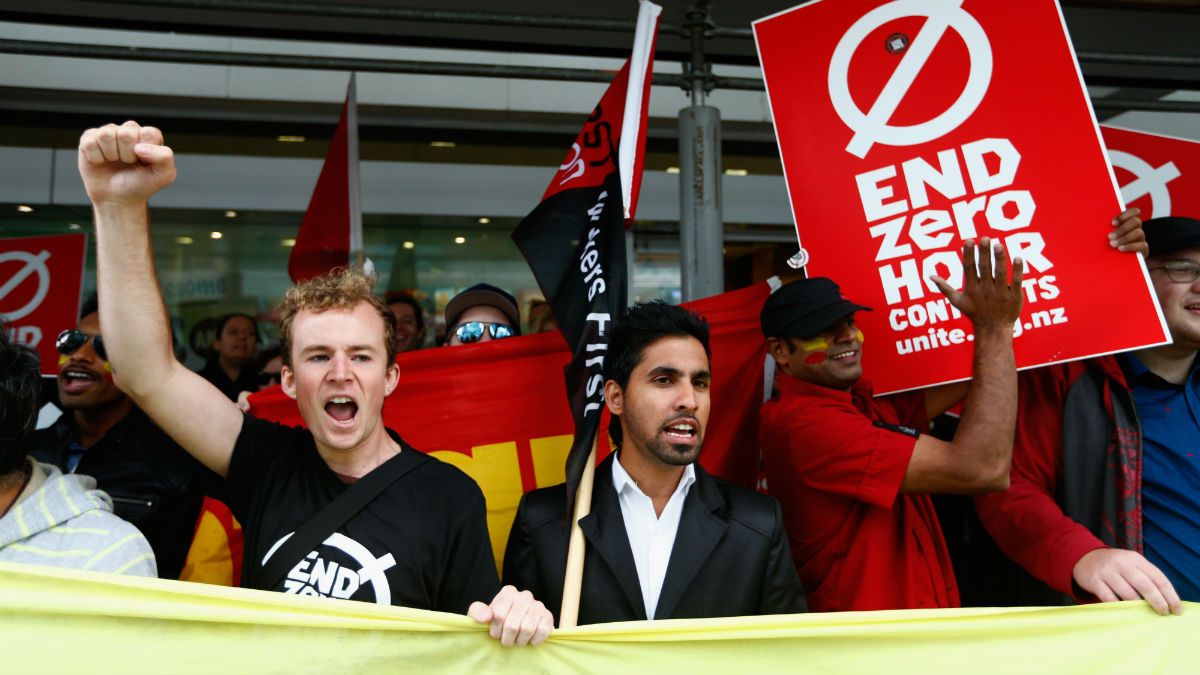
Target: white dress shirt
(651, 537)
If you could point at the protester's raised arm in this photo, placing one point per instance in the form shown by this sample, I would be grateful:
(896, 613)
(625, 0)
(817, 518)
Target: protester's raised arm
(122, 167)
(978, 458)
(1127, 236)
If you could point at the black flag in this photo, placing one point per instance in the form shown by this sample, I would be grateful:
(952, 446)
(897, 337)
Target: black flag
(575, 242)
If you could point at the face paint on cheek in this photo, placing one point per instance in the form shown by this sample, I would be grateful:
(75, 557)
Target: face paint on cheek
(107, 371)
(816, 351)
(62, 360)
(860, 337)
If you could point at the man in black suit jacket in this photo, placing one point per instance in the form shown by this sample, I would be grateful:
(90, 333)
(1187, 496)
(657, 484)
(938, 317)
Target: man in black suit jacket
(665, 540)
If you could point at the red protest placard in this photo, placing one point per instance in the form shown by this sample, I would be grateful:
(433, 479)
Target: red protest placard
(40, 283)
(1158, 174)
(906, 127)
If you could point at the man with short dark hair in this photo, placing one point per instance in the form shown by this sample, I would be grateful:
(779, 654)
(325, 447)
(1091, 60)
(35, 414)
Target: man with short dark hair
(46, 517)
(410, 320)
(854, 472)
(481, 313)
(665, 540)
(1105, 496)
(231, 367)
(153, 483)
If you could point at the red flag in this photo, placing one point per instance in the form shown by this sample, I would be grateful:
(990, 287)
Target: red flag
(617, 126)
(332, 226)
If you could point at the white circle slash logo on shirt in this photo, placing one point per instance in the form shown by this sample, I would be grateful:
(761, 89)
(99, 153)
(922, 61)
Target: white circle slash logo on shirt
(873, 126)
(330, 576)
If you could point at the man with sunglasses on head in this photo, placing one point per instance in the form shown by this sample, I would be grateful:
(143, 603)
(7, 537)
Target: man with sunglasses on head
(480, 314)
(153, 483)
(1105, 496)
(411, 531)
(231, 366)
(410, 320)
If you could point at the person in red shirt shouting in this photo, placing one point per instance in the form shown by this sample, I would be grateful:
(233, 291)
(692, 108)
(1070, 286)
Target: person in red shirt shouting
(854, 473)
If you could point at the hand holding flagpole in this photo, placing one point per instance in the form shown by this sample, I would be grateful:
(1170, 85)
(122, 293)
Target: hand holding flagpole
(568, 616)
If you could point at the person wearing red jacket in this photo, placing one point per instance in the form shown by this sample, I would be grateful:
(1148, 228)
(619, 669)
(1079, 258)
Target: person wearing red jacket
(854, 473)
(1105, 495)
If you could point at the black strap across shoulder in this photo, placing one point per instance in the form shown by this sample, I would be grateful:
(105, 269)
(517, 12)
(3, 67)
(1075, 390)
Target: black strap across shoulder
(335, 514)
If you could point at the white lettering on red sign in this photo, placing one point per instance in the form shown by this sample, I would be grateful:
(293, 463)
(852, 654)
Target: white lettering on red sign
(924, 242)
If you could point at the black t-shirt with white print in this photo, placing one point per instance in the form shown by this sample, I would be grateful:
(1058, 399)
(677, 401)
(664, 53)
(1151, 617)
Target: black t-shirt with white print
(422, 543)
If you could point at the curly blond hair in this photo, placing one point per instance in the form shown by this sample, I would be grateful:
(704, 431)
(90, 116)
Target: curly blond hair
(340, 288)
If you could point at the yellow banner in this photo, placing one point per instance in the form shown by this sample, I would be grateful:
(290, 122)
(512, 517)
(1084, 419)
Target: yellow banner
(58, 621)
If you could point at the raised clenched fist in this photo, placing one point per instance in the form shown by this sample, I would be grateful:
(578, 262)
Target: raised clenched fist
(124, 165)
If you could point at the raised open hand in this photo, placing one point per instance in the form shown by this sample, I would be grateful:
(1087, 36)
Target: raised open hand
(987, 298)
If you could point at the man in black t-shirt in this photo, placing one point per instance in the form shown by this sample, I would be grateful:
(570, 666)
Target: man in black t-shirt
(421, 543)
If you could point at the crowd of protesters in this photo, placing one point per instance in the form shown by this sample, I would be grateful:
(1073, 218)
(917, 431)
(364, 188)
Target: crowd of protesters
(1082, 472)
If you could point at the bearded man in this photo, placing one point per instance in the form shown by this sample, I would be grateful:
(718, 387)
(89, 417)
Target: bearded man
(665, 540)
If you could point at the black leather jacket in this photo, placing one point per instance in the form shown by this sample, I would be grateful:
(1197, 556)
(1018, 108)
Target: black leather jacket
(154, 484)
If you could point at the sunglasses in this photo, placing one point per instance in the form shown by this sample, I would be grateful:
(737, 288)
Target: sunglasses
(472, 331)
(71, 341)
(268, 379)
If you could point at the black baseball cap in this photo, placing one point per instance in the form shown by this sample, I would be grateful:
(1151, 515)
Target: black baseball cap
(1172, 233)
(483, 294)
(804, 308)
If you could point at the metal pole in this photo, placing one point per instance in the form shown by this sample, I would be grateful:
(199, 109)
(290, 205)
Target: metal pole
(299, 61)
(385, 13)
(557, 22)
(630, 259)
(702, 263)
(307, 62)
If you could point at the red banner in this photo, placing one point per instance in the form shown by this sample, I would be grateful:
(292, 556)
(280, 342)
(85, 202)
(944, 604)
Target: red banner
(906, 127)
(41, 279)
(1158, 174)
(498, 410)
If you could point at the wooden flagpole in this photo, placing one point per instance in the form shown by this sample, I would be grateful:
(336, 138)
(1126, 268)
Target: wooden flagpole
(629, 164)
(573, 585)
